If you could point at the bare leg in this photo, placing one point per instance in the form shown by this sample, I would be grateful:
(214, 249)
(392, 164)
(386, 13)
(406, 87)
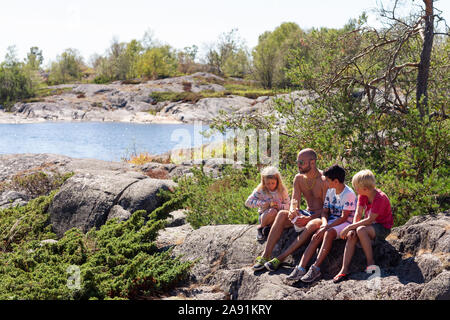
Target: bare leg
(349, 251)
(304, 236)
(269, 218)
(281, 222)
(327, 243)
(309, 252)
(365, 234)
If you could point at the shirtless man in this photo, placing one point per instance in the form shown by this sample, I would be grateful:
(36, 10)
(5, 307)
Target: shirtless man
(310, 183)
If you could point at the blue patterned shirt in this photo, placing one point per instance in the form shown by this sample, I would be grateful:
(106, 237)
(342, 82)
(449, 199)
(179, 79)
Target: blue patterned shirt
(337, 203)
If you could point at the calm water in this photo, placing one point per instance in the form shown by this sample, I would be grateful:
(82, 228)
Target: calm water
(105, 141)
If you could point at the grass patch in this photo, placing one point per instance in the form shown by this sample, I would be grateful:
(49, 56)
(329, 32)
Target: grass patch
(35, 182)
(185, 96)
(244, 89)
(43, 92)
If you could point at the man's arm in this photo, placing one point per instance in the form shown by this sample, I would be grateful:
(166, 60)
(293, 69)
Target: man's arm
(296, 190)
(296, 195)
(318, 214)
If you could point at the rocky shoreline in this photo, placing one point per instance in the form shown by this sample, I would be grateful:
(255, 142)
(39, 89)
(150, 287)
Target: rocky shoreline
(133, 103)
(414, 261)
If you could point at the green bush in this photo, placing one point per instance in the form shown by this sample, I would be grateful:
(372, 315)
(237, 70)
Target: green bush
(118, 261)
(38, 183)
(101, 79)
(21, 224)
(243, 90)
(212, 201)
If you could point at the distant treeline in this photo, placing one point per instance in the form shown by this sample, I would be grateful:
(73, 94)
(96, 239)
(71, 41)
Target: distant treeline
(287, 57)
(149, 59)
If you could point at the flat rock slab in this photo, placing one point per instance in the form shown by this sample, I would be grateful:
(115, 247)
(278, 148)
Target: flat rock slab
(227, 252)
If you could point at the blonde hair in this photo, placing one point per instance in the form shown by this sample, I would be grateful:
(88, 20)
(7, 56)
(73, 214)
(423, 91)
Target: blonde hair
(273, 173)
(364, 179)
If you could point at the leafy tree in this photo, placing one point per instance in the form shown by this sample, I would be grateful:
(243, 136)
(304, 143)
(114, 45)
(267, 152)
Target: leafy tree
(158, 62)
(363, 110)
(135, 59)
(117, 64)
(271, 55)
(228, 56)
(34, 58)
(186, 60)
(15, 80)
(389, 64)
(67, 67)
(238, 65)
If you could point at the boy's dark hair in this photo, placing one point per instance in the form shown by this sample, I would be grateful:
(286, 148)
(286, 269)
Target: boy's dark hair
(335, 172)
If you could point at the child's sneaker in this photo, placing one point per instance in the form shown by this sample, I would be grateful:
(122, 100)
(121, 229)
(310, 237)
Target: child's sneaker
(312, 274)
(259, 235)
(266, 231)
(259, 263)
(273, 264)
(296, 274)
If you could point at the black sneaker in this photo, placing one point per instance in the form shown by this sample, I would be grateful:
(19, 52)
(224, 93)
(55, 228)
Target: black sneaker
(260, 235)
(266, 231)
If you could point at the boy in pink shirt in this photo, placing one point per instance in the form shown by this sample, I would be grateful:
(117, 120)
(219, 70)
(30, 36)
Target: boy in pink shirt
(377, 222)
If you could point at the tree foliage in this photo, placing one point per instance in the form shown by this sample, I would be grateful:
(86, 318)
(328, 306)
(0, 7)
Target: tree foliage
(34, 58)
(271, 55)
(362, 110)
(67, 68)
(229, 56)
(16, 80)
(156, 63)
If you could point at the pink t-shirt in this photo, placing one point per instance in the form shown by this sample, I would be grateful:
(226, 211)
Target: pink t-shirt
(381, 206)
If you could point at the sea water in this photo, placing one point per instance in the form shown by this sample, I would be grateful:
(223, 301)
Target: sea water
(110, 141)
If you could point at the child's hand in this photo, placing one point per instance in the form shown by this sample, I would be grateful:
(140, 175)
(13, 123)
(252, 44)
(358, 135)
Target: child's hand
(302, 220)
(275, 204)
(292, 214)
(266, 205)
(345, 233)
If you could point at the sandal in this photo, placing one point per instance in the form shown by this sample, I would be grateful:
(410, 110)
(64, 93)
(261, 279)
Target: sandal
(340, 277)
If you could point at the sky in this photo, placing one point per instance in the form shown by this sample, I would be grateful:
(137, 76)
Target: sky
(90, 25)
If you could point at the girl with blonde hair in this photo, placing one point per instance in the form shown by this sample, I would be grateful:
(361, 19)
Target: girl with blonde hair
(270, 196)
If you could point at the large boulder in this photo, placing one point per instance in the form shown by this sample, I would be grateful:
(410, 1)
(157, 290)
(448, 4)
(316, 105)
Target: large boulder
(408, 271)
(97, 192)
(85, 200)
